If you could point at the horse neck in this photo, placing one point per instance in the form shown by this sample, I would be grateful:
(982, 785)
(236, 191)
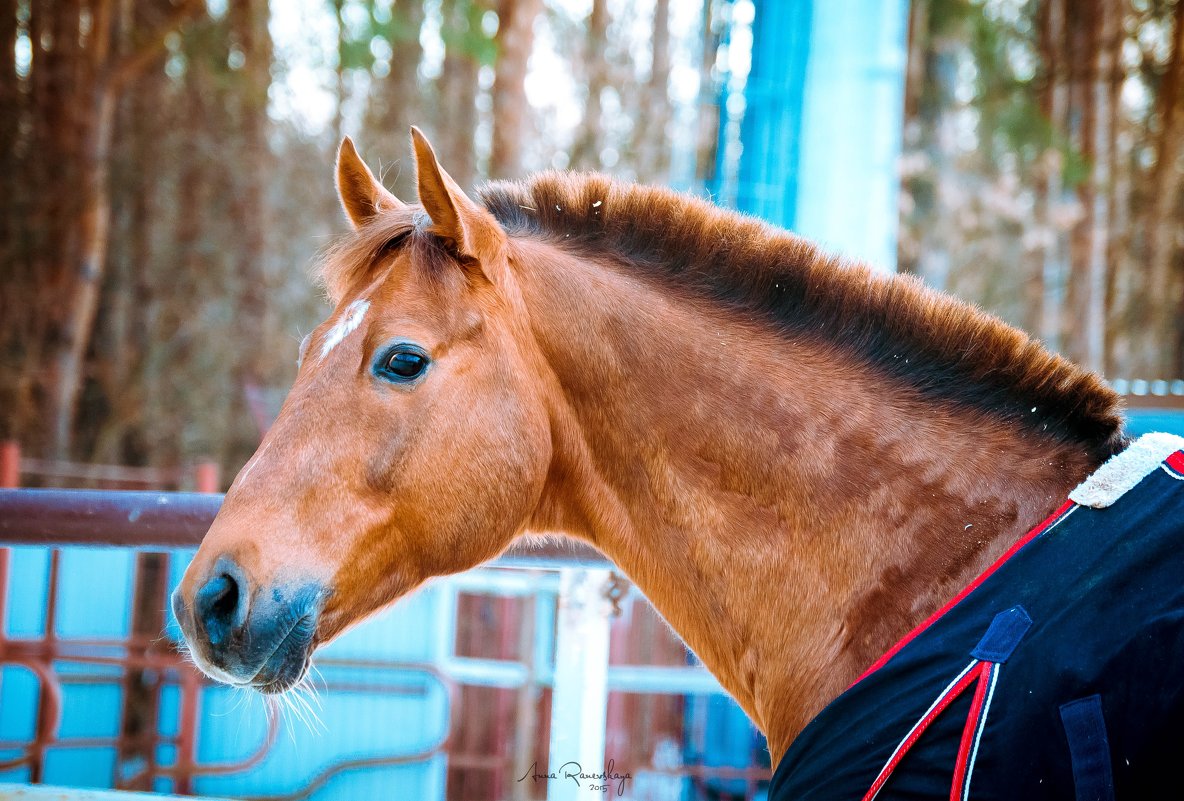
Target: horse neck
(790, 512)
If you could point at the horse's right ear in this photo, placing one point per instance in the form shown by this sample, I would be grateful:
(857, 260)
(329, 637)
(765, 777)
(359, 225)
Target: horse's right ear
(362, 196)
(454, 215)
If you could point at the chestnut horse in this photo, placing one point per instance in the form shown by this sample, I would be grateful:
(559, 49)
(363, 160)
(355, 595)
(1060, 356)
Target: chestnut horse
(796, 459)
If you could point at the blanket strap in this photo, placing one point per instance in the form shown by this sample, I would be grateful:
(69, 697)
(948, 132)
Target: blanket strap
(1089, 748)
(996, 646)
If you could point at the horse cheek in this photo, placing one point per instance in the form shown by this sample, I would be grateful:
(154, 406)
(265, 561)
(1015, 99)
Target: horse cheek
(499, 478)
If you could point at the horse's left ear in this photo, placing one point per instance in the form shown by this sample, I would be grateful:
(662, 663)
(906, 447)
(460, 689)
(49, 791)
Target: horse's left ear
(362, 196)
(454, 215)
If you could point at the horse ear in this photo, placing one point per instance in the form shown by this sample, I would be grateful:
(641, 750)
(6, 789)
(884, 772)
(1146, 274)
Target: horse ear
(454, 216)
(362, 196)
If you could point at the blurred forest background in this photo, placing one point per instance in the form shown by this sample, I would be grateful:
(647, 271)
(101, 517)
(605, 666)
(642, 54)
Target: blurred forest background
(167, 175)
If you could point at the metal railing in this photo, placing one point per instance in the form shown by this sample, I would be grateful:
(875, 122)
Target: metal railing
(579, 681)
(147, 520)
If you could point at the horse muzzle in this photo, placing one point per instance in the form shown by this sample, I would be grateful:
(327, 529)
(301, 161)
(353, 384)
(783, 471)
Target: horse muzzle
(249, 636)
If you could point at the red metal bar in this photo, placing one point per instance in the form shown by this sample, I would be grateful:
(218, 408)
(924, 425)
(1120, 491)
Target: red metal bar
(48, 714)
(154, 519)
(177, 520)
(10, 463)
(187, 734)
(507, 622)
(139, 724)
(90, 517)
(4, 553)
(207, 476)
(10, 476)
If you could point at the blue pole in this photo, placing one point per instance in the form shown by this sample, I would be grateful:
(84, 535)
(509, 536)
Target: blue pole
(821, 132)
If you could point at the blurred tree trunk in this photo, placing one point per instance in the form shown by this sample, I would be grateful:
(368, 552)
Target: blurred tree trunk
(1163, 218)
(122, 337)
(94, 118)
(585, 150)
(53, 165)
(339, 73)
(10, 119)
(651, 139)
(931, 133)
(1061, 196)
(456, 127)
(192, 266)
(395, 104)
(511, 111)
(915, 72)
(1100, 260)
(1082, 48)
(1095, 275)
(77, 115)
(13, 287)
(1039, 304)
(915, 80)
(248, 21)
(26, 325)
(1117, 346)
(707, 140)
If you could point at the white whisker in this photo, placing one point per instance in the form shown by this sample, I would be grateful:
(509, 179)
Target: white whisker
(304, 710)
(311, 690)
(287, 704)
(315, 676)
(241, 696)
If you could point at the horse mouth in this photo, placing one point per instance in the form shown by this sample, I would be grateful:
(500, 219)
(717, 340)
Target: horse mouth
(290, 660)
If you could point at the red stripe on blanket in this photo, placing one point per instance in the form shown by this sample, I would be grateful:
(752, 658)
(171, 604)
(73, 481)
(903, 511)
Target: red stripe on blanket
(958, 786)
(1031, 535)
(974, 674)
(1176, 461)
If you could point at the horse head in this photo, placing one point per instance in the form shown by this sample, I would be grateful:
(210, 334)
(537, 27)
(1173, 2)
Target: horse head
(415, 441)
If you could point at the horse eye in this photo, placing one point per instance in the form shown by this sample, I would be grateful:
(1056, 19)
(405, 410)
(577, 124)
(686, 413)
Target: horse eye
(404, 363)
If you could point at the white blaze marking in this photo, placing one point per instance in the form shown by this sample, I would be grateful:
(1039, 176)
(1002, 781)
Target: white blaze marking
(348, 323)
(251, 464)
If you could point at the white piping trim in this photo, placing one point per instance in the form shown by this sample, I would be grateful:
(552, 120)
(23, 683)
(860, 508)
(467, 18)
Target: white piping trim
(1126, 469)
(949, 688)
(1171, 472)
(978, 735)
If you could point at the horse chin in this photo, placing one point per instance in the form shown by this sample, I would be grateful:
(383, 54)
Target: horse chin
(289, 663)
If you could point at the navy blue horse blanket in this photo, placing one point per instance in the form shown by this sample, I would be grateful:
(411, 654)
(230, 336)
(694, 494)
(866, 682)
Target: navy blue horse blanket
(1057, 674)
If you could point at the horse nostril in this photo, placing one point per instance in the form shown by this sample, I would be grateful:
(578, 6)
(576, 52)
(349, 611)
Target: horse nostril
(224, 598)
(220, 606)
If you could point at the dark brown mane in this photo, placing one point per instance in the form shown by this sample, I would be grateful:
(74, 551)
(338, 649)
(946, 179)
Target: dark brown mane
(944, 348)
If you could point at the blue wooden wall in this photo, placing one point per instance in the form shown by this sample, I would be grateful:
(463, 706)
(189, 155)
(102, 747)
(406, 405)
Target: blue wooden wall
(405, 711)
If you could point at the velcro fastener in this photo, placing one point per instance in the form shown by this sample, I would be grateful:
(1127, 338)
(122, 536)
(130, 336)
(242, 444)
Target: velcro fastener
(1003, 635)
